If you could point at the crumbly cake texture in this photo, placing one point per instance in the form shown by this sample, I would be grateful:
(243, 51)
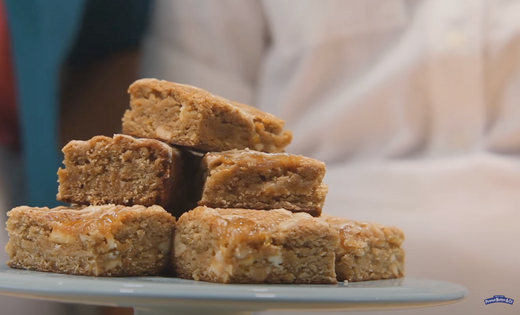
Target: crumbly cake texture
(254, 246)
(367, 251)
(93, 241)
(188, 116)
(120, 170)
(256, 180)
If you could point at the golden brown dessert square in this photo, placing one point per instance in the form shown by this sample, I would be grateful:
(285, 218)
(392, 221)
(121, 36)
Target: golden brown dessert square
(367, 251)
(256, 180)
(120, 170)
(254, 246)
(93, 241)
(188, 116)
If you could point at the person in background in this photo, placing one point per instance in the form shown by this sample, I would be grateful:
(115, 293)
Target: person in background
(64, 70)
(412, 104)
(11, 187)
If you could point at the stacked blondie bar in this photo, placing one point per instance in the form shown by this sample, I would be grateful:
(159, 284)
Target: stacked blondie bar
(247, 212)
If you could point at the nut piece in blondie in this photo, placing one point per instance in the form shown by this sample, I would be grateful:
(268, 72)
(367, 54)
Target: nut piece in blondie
(93, 241)
(120, 170)
(367, 251)
(188, 116)
(254, 246)
(257, 180)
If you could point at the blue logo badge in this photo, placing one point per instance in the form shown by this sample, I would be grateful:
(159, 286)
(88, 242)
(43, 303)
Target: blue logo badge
(499, 299)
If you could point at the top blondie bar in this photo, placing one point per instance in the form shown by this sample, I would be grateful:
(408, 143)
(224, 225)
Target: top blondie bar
(188, 116)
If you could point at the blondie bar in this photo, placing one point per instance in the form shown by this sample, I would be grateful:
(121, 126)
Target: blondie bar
(105, 240)
(188, 116)
(120, 170)
(257, 180)
(254, 246)
(367, 251)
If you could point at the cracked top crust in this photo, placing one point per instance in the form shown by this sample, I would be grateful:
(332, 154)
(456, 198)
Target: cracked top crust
(68, 222)
(144, 87)
(189, 116)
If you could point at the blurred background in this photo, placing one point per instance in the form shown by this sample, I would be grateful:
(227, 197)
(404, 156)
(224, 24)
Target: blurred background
(414, 105)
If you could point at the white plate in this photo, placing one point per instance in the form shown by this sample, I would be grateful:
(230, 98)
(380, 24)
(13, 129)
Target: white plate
(159, 295)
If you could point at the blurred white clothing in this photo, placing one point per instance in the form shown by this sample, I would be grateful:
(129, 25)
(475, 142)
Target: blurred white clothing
(413, 105)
